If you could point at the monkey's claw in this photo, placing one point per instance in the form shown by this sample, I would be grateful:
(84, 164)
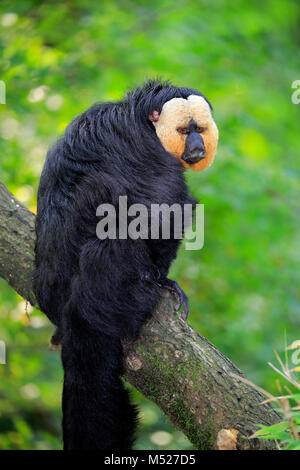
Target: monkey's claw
(182, 297)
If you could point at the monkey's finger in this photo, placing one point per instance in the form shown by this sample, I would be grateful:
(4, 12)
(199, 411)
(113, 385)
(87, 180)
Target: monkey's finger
(181, 296)
(175, 289)
(186, 310)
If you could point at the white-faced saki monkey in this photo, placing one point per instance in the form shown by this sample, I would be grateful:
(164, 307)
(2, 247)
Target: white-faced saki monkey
(99, 292)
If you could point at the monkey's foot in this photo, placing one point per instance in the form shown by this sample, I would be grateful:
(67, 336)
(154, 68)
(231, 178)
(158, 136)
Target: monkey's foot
(182, 297)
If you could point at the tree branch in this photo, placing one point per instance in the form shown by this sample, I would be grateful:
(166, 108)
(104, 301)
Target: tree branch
(171, 364)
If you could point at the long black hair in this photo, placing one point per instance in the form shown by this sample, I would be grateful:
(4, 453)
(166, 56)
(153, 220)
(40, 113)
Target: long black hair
(99, 292)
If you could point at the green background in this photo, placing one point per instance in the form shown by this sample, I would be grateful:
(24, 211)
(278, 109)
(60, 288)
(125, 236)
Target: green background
(57, 58)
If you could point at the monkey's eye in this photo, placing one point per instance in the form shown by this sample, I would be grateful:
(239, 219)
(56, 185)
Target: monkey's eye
(200, 129)
(183, 130)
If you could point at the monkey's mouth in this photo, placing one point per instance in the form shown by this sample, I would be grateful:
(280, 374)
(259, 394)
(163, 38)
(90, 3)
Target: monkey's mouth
(194, 157)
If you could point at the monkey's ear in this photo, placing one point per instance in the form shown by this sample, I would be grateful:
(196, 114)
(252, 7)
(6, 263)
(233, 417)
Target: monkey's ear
(154, 117)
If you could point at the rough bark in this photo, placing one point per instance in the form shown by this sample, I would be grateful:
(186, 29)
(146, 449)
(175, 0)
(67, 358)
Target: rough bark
(170, 363)
(17, 237)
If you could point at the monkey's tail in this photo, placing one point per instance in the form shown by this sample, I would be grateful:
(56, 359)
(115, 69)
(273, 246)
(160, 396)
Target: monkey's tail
(97, 414)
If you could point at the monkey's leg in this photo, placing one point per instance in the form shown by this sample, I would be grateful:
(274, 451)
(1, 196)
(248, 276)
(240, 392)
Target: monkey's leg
(102, 311)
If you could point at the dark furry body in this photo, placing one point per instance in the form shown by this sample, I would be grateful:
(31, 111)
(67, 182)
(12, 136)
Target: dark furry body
(95, 290)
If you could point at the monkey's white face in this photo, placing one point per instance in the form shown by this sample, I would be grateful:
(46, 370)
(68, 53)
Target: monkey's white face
(186, 129)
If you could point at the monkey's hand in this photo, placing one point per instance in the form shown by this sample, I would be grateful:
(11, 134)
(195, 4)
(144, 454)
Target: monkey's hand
(182, 297)
(172, 286)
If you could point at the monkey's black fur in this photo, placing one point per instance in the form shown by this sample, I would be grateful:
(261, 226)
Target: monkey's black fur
(99, 292)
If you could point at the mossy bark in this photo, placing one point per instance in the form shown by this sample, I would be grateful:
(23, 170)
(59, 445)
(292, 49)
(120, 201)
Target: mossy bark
(170, 363)
(191, 381)
(17, 236)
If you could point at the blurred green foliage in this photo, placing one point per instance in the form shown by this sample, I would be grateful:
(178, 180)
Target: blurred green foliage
(57, 58)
